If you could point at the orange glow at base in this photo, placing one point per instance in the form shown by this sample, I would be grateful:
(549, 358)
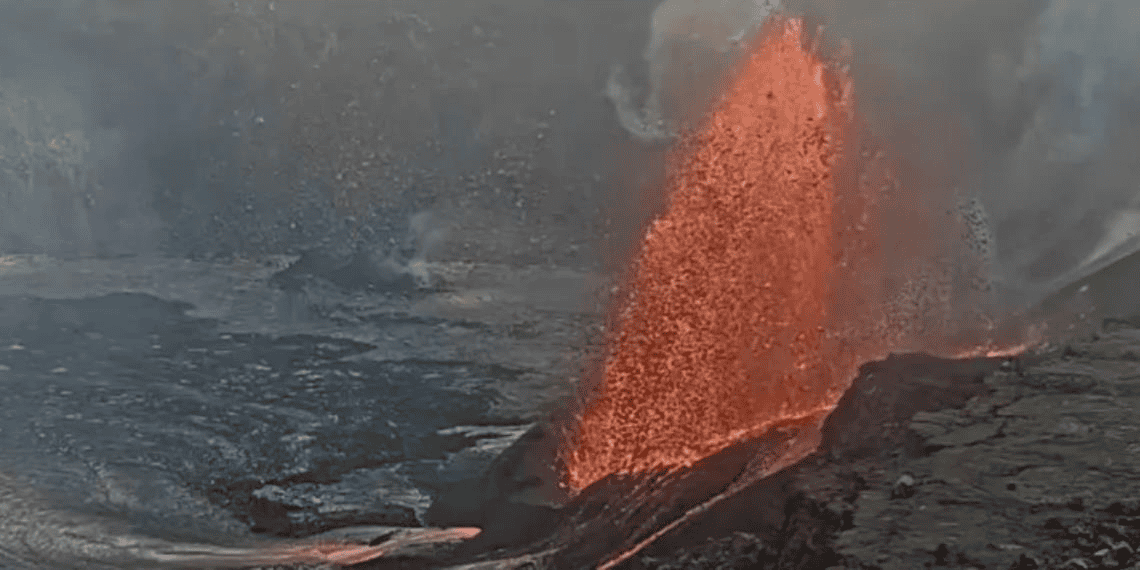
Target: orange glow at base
(761, 289)
(723, 328)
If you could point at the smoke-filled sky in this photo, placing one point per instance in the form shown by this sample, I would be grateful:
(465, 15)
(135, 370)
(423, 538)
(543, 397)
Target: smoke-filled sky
(255, 126)
(258, 126)
(1026, 103)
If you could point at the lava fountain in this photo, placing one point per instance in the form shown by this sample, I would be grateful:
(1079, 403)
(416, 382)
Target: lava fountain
(764, 285)
(722, 328)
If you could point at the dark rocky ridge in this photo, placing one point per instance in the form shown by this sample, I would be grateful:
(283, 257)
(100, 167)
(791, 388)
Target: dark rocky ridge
(989, 463)
(616, 513)
(1024, 465)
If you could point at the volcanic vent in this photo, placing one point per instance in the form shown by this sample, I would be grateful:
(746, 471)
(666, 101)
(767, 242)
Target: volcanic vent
(775, 272)
(764, 285)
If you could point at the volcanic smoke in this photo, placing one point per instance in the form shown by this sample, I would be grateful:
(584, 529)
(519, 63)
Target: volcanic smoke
(757, 294)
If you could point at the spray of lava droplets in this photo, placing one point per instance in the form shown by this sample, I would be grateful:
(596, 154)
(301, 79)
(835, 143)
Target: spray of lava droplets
(723, 329)
(760, 290)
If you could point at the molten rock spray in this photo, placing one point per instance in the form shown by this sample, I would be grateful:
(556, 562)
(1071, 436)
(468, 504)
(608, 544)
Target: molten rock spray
(758, 292)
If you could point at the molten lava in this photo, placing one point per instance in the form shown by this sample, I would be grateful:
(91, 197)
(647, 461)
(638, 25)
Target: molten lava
(790, 254)
(723, 329)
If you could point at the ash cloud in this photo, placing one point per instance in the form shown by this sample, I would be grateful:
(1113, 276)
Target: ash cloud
(1025, 103)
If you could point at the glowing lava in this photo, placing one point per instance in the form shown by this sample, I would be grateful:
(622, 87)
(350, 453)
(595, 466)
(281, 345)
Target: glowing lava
(723, 329)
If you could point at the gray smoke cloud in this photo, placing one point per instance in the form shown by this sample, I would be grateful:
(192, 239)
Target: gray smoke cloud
(219, 128)
(54, 154)
(1024, 103)
(264, 126)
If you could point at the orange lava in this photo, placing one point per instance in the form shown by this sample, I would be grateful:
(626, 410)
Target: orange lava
(723, 329)
(789, 255)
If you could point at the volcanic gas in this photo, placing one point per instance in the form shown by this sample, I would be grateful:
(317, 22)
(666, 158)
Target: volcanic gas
(757, 293)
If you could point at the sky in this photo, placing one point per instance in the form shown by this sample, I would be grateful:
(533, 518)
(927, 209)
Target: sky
(132, 127)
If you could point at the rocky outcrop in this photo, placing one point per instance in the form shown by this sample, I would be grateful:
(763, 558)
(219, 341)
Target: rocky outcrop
(1028, 465)
(1020, 464)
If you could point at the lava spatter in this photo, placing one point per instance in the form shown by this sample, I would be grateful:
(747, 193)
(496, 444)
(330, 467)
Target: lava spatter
(723, 330)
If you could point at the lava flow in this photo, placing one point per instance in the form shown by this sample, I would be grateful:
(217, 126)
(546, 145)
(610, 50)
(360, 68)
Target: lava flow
(723, 329)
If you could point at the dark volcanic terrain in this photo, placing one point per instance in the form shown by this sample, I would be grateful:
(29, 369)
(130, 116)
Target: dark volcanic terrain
(1027, 463)
(1022, 463)
(1016, 463)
